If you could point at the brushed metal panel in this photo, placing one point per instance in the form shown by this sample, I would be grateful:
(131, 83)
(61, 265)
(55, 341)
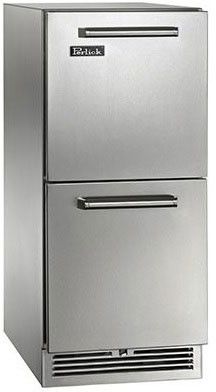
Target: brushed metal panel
(24, 182)
(138, 112)
(131, 277)
(106, 7)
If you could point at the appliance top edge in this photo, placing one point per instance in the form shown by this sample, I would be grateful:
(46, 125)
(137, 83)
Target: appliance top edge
(105, 7)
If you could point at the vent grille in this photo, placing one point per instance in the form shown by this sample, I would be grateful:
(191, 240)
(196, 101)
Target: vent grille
(124, 360)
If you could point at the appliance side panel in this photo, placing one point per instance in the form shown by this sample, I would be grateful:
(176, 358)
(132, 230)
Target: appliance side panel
(23, 182)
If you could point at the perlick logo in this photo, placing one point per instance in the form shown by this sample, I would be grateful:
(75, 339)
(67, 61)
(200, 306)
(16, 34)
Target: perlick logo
(81, 51)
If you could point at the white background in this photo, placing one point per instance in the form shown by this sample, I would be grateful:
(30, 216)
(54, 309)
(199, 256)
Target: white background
(15, 375)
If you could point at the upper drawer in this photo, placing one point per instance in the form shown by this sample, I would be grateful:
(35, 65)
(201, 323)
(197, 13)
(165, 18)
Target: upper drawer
(138, 111)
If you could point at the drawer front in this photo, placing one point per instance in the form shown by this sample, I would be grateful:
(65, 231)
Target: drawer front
(126, 265)
(136, 112)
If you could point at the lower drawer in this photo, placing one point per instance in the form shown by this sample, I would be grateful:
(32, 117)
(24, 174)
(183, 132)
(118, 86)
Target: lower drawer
(126, 265)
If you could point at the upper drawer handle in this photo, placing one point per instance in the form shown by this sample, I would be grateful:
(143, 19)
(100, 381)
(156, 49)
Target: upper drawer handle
(149, 201)
(117, 32)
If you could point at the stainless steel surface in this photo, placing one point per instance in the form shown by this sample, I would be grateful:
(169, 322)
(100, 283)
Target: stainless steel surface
(129, 32)
(138, 112)
(158, 201)
(106, 7)
(108, 266)
(49, 361)
(23, 183)
(126, 277)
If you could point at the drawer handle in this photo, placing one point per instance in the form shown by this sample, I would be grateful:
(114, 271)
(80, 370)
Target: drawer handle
(149, 201)
(116, 32)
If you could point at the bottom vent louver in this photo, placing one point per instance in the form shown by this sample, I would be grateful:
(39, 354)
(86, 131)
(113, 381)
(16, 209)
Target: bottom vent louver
(122, 361)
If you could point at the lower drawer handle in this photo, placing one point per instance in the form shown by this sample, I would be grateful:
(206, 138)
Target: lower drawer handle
(149, 201)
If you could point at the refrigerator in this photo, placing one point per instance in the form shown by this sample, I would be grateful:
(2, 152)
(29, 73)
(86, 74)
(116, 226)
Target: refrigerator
(105, 190)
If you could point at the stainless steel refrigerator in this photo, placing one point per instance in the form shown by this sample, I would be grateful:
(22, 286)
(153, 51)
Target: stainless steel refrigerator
(105, 190)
